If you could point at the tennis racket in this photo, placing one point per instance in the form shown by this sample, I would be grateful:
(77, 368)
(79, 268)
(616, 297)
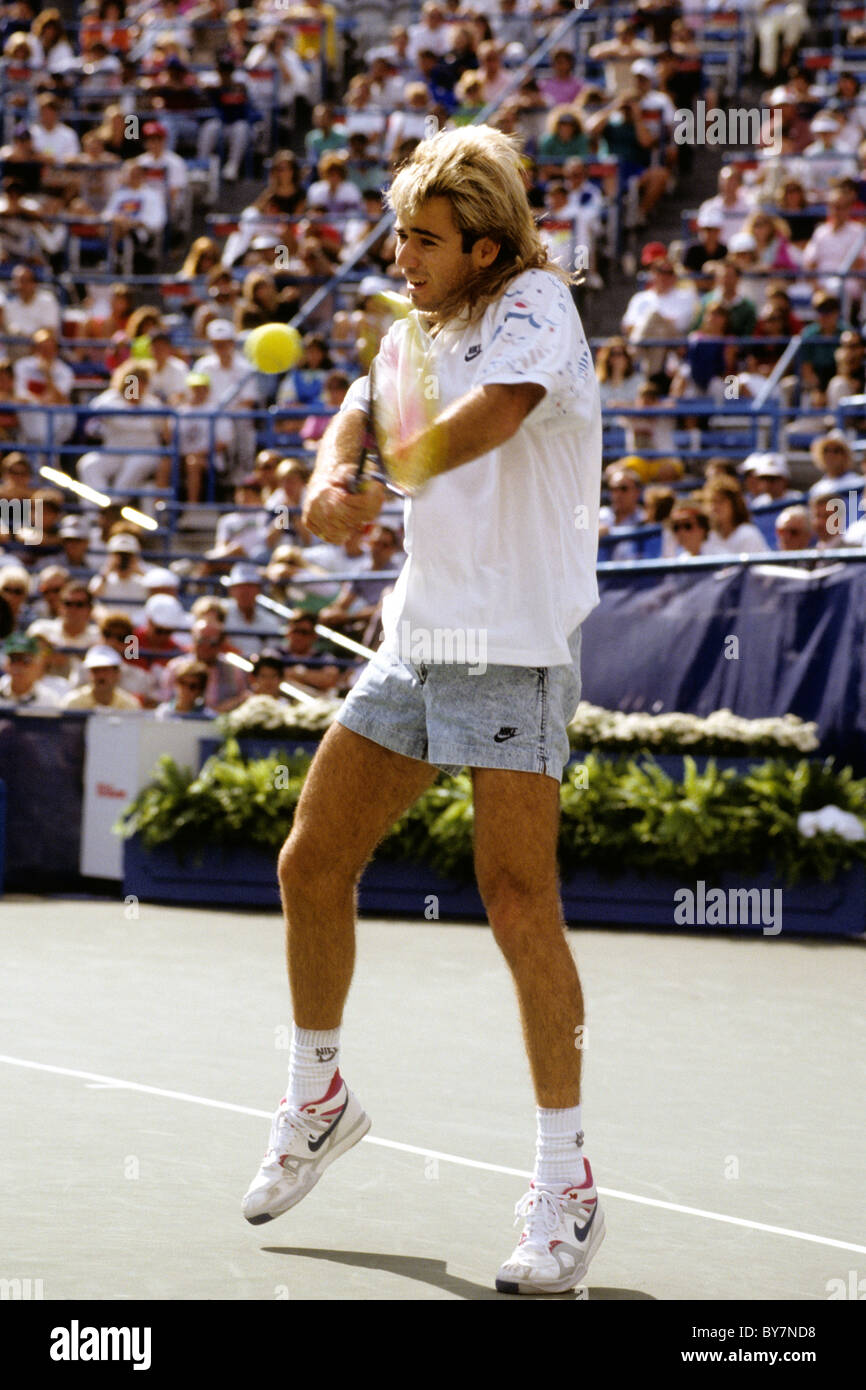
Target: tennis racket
(371, 460)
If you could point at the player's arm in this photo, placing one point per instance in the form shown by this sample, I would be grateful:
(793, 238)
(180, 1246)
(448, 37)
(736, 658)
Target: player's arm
(482, 420)
(331, 509)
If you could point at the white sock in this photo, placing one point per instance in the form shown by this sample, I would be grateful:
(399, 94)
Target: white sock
(314, 1059)
(559, 1147)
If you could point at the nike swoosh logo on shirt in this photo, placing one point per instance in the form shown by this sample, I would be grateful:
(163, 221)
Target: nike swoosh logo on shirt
(315, 1144)
(582, 1235)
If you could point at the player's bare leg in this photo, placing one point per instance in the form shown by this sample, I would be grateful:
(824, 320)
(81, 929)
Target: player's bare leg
(354, 792)
(516, 822)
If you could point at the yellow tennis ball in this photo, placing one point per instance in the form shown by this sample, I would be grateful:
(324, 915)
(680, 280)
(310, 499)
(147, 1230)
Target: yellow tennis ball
(274, 347)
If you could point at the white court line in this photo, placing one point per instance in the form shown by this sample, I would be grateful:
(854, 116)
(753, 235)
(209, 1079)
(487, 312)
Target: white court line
(115, 1082)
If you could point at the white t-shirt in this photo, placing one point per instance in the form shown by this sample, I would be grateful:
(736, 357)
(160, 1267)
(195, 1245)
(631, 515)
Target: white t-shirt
(59, 143)
(745, 539)
(505, 545)
(22, 319)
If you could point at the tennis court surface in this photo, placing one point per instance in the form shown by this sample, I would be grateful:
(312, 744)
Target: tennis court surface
(142, 1058)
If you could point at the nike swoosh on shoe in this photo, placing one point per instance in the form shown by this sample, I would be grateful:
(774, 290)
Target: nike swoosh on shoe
(315, 1144)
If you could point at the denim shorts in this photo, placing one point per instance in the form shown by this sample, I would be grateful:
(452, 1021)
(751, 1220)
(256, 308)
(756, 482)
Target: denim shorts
(453, 716)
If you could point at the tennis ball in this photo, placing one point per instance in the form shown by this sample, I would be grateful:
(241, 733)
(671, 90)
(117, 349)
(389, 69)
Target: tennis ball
(274, 347)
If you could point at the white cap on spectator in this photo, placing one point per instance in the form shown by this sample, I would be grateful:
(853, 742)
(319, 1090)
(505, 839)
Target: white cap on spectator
(220, 330)
(164, 611)
(824, 122)
(742, 241)
(125, 543)
(752, 463)
(710, 217)
(244, 574)
(642, 67)
(74, 528)
(157, 578)
(772, 466)
(101, 656)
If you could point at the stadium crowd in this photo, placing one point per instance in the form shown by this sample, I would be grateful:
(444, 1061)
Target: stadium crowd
(151, 481)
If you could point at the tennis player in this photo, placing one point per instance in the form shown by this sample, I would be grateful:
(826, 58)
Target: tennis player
(501, 538)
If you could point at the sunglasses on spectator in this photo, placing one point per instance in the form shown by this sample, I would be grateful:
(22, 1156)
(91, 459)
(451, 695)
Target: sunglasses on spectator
(51, 593)
(190, 682)
(621, 487)
(683, 526)
(75, 603)
(12, 589)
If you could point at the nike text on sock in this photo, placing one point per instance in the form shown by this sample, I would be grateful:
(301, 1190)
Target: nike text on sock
(314, 1059)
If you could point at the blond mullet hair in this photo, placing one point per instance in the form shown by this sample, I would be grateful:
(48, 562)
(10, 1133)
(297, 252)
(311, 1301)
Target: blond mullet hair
(478, 169)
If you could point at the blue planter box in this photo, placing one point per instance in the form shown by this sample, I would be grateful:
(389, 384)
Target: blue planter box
(247, 878)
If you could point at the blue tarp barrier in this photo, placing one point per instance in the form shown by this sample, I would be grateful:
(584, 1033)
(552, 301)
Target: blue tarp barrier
(42, 764)
(662, 643)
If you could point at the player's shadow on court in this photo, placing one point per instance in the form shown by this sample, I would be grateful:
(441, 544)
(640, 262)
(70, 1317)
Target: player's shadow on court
(435, 1273)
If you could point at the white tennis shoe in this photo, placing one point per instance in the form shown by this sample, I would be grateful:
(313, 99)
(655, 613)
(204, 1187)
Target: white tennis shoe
(563, 1228)
(303, 1141)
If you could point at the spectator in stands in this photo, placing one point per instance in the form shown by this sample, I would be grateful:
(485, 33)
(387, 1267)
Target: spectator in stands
(359, 597)
(774, 476)
(308, 667)
(266, 676)
(159, 160)
(75, 629)
(121, 578)
(104, 692)
(617, 55)
(175, 94)
(823, 160)
(232, 382)
(15, 481)
(618, 377)
(236, 116)
(649, 433)
(708, 246)
(689, 528)
(333, 193)
(108, 315)
(834, 458)
(135, 216)
(779, 23)
(741, 312)
(116, 630)
(494, 76)
(19, 160)
(205, 444)
(225, 685)
(276, 74)
(58, 54)
(772, 238)
(164, 616)
(24, 235)
(838, 242)
(327, 133)
(262, 302)
(730, 519)
(334, 389)
(711, 356)
(625, 511)
(28, 307)
(74, 537)
(131, 455)
(243, 533)
(9, 427)
(15, 590)
(50, 583)
(188, 685)
(794, 529)
(817, 357)
(21, 684)
(246, 623)
(119, 136)
(42, 378)
(51, 137)
(564, 138)
(663, 310)
(409, 122)
(430, 32)
(732, 201)
(202, 258)
(168, 373)
(849, 377)
(561, 87)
